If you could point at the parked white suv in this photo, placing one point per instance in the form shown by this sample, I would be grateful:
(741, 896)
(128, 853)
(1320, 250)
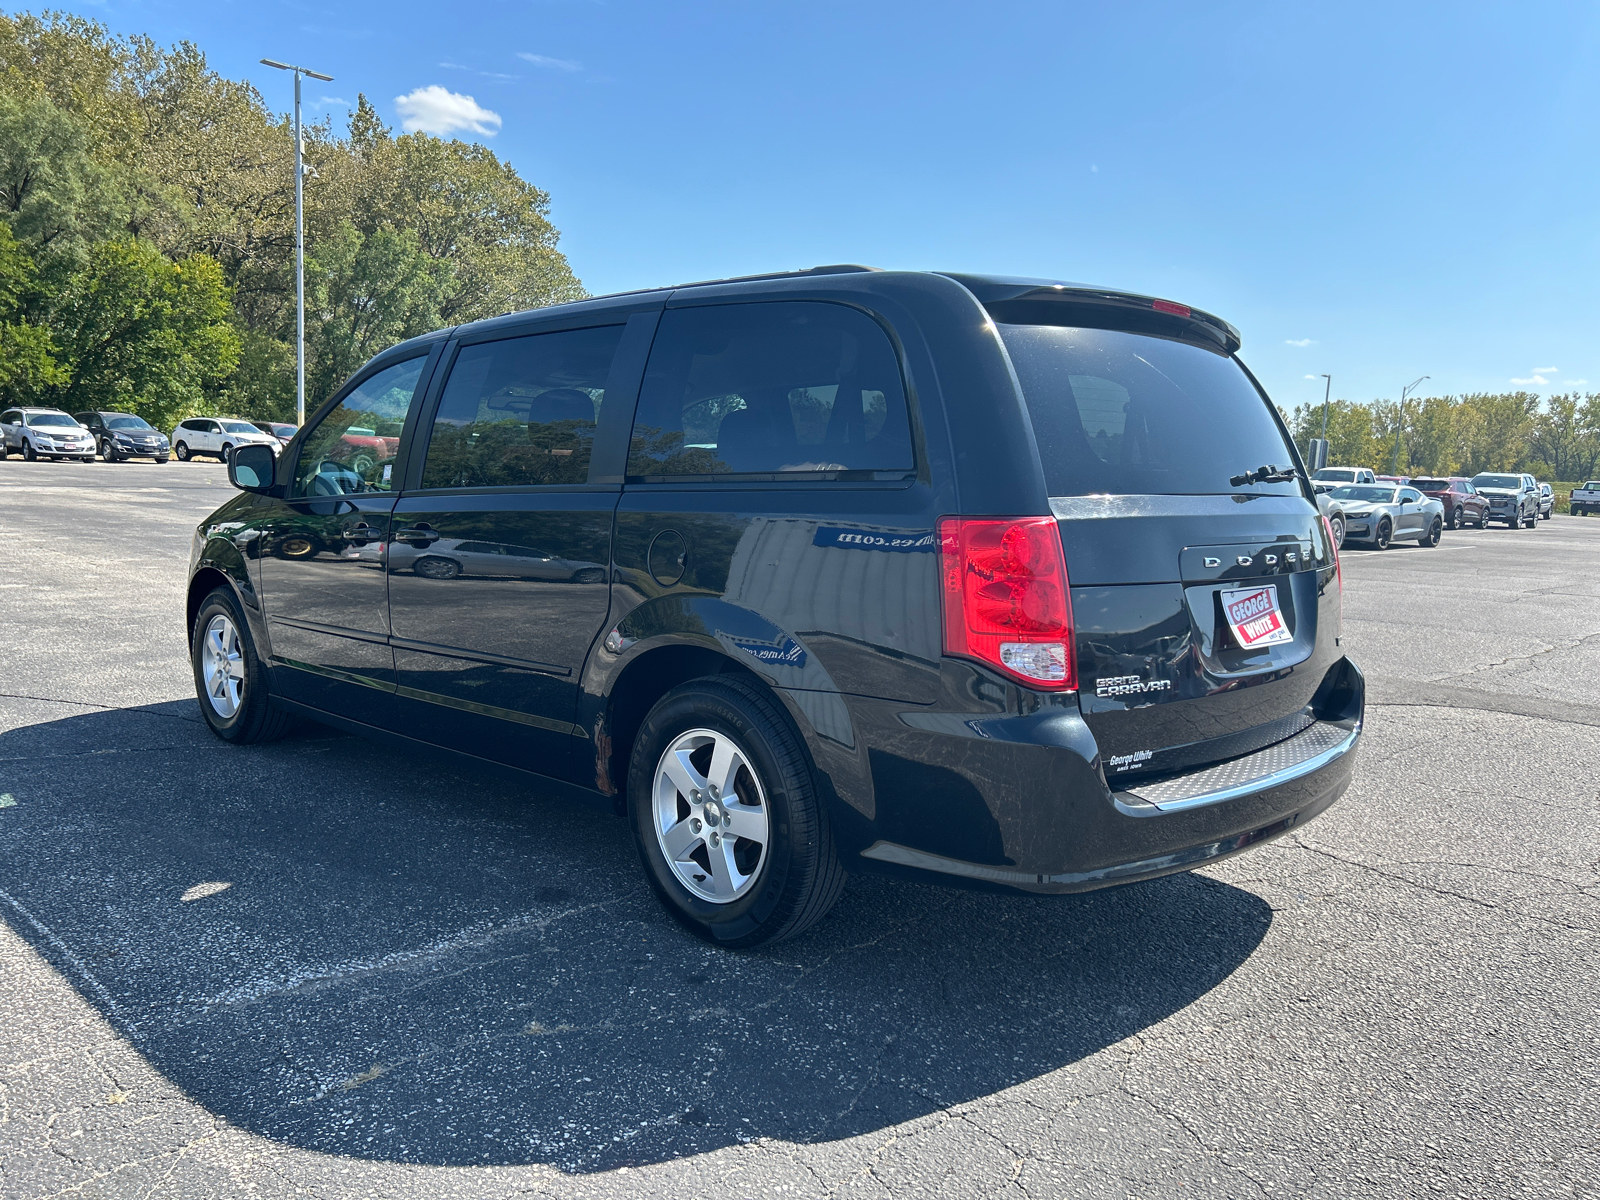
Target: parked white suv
(216, 436)
(44, 433)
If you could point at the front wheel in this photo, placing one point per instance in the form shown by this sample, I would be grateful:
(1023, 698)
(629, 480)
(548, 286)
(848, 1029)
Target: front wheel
(1531, 522)
(227, 451)
(732, 834)
(228, 676)
(1385, 533)
(29, 454)
(1336, 523)
(182, 451)
(437, 568)
(106, 452)
(1435, 532)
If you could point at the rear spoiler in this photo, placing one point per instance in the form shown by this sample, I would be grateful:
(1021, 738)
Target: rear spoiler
(1038, 302)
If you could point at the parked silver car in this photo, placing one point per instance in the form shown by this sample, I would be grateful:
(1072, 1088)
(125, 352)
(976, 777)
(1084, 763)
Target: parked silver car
(44, 433)
(1547, 501)
(1333, 510)
(449, 558)
(1381, 513)
(1513, 499)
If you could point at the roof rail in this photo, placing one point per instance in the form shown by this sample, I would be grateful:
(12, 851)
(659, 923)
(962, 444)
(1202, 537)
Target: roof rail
(830, 269)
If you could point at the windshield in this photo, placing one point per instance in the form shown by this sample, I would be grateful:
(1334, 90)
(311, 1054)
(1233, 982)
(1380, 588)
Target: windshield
(283, 430)
(1497, 481)
(238, 427)
(1341, 474)
(1431, 485)
(126, 423)
(1125, 414)
(1364, 492)
(52, 420)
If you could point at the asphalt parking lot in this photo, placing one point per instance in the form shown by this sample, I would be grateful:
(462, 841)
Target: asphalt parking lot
(320, 968)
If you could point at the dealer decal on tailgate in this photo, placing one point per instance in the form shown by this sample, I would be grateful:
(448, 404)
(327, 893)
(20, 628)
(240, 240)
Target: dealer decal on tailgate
(1254, 616)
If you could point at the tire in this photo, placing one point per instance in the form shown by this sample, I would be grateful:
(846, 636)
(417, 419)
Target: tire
(1336, 522)
(434, 567)
(1435, 532)
(297, 546)
(790, 881)
(227, 452)
(88, 458)
(1382, 537)
(590, 575)
(1456, 518)
(181, 449)
(107, 453)
(230, 682)
(1531, 522)
(29, 454)
(159, 461)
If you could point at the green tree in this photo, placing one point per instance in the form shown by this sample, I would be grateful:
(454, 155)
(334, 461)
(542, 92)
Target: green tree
(368, 292)
(1565, 436)
(27, 361)
(53, 195)
(141, 333)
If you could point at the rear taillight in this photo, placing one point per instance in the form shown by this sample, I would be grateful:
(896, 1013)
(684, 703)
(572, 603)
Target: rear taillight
(1338, 571)
(1006, 601)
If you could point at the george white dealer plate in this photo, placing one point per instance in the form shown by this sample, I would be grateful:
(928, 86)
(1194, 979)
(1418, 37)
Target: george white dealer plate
(1254, 616)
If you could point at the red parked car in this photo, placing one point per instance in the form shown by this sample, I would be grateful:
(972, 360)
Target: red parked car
(1462, 504)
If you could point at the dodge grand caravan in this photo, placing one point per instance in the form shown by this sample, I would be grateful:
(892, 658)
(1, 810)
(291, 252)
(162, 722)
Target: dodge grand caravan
(1004, 583)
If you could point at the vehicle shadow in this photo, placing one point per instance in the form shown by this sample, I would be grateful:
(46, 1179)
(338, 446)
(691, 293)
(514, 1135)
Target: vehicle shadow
(412, 962)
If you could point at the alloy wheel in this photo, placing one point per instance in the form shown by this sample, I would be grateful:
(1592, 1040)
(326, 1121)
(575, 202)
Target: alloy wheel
(222, 666)
(182, 451)
(710, 815)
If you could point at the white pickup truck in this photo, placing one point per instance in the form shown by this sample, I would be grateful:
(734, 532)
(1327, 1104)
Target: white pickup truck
(1586, 499)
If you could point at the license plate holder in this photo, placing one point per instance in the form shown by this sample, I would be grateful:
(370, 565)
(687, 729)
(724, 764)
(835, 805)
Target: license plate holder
(1254, 616)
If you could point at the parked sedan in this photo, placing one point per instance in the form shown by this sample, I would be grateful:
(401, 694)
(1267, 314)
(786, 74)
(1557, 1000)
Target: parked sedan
(1462, 504)
(281, 430)
(216, 436)
(1333, 510)
(1381, 513)
(448, 558)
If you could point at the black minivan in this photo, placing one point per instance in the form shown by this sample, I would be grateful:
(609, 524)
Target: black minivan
(999, 582)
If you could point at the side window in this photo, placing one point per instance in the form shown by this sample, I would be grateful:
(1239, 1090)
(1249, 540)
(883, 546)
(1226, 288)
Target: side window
(352, 449)
(1410, 496)
(767, 388)
(521, 412)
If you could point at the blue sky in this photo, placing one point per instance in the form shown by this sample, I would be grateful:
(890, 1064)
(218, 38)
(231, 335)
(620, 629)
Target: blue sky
(1380, 191)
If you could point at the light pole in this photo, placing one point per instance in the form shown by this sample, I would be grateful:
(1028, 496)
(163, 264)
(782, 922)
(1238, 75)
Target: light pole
(1399, 421)
(299, 243)
(1326, 392)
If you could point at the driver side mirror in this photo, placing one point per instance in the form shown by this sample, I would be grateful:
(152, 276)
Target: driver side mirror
(253, 467)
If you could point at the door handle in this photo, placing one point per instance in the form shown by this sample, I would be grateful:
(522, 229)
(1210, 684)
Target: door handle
(417, 533)
(359, 534)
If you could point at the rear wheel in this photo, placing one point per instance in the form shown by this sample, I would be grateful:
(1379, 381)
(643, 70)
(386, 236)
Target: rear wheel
(732, 834)
(1382, 537)
(1435, 531)
(228, 676)
(437, 568)
(1456, 517)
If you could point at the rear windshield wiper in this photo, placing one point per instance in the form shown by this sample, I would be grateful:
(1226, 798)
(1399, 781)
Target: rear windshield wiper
(1266, 474)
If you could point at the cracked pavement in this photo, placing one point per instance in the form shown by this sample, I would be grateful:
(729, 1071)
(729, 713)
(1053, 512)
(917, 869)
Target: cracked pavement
(423, 982)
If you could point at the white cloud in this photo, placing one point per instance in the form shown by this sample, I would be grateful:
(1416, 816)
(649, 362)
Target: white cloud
(322, 102)
(433, 109)
(1577, 383)
(1299, 341)
(558, 64)
(1545, 370)
(1311, 377)
(1534, 379)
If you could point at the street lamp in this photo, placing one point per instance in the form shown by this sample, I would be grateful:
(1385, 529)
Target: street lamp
(1399, 420)
(299, 242)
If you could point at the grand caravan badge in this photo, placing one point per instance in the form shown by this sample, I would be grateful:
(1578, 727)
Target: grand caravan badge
(1254, 616)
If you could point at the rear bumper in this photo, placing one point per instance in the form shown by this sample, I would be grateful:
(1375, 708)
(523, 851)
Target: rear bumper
(1154, 827)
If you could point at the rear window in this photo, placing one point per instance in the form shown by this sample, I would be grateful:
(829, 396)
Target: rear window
(1125, 414)
(1431, 485)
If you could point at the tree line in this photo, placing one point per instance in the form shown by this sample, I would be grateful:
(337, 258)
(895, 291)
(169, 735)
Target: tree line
(1461, 435)
(147, 232)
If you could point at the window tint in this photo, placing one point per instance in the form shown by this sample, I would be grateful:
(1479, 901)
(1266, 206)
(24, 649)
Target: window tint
(353, 448)
(1409, 496)
(766, 388)
(1126, 414)
(521, 412)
